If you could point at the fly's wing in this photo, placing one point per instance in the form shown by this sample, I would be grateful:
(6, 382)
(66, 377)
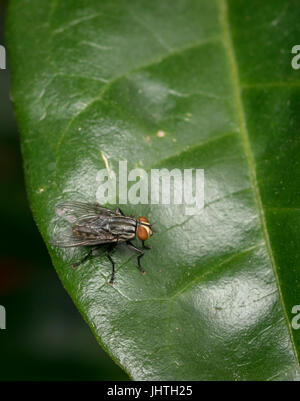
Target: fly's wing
(90, 215)
(75, 211)
(66, 239)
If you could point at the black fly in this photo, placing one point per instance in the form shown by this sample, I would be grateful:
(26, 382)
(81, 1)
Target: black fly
(94, 225)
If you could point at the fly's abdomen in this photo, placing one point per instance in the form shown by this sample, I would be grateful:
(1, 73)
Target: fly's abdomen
(84, 232)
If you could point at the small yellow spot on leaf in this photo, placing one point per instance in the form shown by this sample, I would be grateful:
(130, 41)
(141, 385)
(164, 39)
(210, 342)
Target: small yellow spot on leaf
(160, 134)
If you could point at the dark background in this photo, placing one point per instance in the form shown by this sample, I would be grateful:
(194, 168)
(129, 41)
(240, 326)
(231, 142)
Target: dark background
(45, 338)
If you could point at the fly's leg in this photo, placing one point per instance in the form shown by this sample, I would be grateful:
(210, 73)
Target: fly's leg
(118, 210)
(146, 246)
(87, 256)
(141, 254)
(112, 278)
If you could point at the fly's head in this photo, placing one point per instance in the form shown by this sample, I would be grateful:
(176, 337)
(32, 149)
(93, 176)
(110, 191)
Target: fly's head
(144, 229)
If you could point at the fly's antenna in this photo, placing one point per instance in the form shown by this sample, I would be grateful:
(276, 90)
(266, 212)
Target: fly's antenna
(144, 222)
(149, 225)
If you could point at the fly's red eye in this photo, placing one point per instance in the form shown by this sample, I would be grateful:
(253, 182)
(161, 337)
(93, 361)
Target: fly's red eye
(142, 233)
(144, 220)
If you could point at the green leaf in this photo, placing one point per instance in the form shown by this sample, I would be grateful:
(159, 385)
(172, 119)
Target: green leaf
(94, 83)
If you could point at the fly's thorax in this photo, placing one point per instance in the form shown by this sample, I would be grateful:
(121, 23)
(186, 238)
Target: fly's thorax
(123, 227)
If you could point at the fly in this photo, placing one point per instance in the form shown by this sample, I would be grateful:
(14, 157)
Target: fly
(94, 225)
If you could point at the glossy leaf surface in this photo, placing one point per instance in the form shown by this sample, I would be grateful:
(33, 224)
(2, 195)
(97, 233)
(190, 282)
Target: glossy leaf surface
(176, 84)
